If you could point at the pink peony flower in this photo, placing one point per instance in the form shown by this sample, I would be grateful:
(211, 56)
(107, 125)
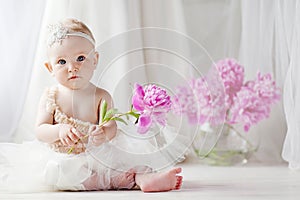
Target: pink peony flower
(265, 88)
(185, 102)
(199, 102)
(153, 103)
(231, 73)
(248, 108)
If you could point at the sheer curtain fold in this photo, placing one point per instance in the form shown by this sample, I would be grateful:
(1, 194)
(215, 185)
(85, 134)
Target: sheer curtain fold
(256, 50)
(20, 21)
(291, 148)
(261, 49)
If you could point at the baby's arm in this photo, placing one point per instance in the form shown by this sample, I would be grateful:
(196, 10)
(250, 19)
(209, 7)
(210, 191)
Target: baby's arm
(108, 131)
(48, 132)
(110, 128)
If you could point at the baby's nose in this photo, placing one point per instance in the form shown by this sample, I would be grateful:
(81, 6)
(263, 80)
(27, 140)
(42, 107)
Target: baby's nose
(72, 67)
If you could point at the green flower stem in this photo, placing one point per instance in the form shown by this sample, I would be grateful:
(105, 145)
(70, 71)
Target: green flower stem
(238, 133)
(223, 158)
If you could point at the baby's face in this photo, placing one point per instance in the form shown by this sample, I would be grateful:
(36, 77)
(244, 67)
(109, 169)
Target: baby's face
(73, 62)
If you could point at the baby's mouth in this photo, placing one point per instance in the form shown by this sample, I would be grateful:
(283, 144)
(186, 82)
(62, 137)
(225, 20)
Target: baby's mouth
(73, 77)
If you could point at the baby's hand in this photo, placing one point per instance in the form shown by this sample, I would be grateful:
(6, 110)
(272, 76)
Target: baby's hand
(97, 135)
(68, 135)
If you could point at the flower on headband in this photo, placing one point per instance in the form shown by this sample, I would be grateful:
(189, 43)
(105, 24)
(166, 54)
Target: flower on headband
(57, 33)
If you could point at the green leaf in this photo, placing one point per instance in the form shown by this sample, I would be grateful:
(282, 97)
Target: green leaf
(136, 115)
(120, 120)
(105, 120)
(103, 109)
(110, 113)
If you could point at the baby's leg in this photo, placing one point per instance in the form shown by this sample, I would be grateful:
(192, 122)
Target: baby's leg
(123, 180)
(92, 182)
(159, 182)
(120, 181)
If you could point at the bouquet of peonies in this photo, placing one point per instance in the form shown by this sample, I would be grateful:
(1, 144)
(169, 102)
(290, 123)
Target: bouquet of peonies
(222, 96)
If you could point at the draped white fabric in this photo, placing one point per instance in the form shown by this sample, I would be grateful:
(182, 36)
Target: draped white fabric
(20, 25)
(274, 47)
(262, 35)
(290, 20)
(262, 49)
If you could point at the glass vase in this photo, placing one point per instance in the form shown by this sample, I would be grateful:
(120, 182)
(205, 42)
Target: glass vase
(224, 148)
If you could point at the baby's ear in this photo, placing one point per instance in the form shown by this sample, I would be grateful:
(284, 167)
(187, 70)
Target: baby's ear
(48, 66)
(96, 59)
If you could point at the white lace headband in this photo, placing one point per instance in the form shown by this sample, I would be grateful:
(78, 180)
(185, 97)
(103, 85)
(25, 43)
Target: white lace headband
(57, 33)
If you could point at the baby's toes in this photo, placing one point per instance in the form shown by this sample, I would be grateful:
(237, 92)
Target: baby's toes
(178, 182)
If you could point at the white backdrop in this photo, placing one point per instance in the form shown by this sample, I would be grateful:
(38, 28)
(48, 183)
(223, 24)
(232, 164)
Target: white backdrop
(20, 26)
(290, 35)
(255, 32)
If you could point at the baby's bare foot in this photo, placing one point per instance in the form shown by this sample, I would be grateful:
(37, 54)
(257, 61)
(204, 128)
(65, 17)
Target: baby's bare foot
(159, 182)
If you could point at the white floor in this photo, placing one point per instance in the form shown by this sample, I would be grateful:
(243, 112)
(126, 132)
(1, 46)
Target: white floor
(204, 182)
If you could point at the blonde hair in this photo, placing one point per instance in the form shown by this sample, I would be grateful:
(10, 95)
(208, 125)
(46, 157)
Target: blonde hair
(74, 25)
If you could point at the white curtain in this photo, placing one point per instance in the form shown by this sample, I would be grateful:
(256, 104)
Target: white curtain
(291, 36)
(271, 42)
(262, 48)
(20, 25)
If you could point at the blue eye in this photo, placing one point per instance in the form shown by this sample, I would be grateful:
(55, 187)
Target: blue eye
(61, 62)
(80, 58)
